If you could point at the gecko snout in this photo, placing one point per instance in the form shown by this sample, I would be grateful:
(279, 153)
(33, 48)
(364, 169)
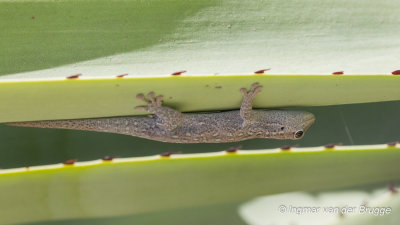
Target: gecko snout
(307, 119)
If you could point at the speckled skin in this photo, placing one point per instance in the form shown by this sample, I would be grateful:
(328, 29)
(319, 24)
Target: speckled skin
(169, 125)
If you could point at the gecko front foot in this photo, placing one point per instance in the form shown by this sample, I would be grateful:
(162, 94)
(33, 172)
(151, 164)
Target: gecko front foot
(152, 102)
(255, 89)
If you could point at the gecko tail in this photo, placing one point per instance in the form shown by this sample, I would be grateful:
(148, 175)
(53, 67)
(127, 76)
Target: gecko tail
(40, 124)
(119, 125)
(22, 124)
(60, 124)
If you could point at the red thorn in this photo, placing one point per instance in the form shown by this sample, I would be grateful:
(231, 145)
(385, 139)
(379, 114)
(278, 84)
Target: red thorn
(109, 158)
(261, 71)
(392, 188)
(74, 76)
(338, 73)
(330, 146)
(179, 72)
(396, 72)
(122, 75)
(167, 154)
(233, 149)
(70, 162)
(286, 147)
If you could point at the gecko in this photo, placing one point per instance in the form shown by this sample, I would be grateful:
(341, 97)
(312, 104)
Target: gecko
(169, 125)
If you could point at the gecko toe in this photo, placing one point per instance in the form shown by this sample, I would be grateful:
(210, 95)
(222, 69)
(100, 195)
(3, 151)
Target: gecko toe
(243, 91)
(141, 97)
(254, 86)
(142, 108)
(150, 96)
(255, 89)
(159, 100)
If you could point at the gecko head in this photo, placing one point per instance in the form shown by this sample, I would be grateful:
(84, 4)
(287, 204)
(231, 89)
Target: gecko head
(288, 124)
(302, 121)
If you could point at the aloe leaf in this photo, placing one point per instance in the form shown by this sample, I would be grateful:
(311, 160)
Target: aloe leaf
(150, 184)
(45, 34)
(69, 99)
(203, 37)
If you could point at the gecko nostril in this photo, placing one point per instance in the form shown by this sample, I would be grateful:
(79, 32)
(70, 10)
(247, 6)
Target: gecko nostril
(282, 128)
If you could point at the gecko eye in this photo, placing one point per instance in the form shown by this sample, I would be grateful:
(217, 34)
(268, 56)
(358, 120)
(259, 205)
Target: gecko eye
(298, 134)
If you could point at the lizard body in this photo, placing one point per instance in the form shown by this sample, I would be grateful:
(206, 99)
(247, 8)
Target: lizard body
(170, 125)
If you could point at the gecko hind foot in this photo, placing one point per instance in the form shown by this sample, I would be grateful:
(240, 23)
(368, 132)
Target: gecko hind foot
(166, 118)
(152, 102)
(247, 102)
